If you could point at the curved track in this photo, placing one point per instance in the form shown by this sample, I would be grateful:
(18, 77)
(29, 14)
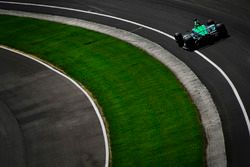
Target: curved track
(45, 119)
(232, 54)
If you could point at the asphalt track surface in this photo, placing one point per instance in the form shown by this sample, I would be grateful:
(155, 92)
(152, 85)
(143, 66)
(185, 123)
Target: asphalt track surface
(231, 54)
(45, 120)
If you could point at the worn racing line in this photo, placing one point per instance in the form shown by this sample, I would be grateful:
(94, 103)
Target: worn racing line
(175, 16)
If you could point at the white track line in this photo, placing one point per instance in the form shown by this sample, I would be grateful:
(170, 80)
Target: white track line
(231, 85)
(88, 12)
(79, 87)
(155, 30)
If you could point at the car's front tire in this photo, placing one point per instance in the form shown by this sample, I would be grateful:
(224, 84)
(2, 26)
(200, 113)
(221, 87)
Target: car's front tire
(210, 22)
(222, 31)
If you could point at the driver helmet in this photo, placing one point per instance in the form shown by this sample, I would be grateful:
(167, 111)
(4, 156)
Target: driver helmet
(196, 22)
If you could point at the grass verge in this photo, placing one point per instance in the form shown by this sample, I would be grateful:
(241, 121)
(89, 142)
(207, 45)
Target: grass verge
(152, 121)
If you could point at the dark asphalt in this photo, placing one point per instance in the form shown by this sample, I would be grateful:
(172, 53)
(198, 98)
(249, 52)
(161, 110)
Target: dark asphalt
(231, 54)
(45, 120)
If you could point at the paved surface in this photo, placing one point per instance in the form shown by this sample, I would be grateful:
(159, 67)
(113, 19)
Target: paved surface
(45, 121)
(232, 54)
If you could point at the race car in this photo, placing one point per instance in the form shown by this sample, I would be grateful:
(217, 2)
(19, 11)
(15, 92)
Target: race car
(201, 34)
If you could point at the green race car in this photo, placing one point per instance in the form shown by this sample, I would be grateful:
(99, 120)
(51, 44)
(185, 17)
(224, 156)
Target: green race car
(201, 34)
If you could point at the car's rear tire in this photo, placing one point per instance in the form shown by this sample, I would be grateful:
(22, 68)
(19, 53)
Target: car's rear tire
(179, 39)
(222, 31)
(210, 22)
(190, 43)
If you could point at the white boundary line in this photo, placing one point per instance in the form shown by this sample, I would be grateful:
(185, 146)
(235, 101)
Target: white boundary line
(155, 30)
(81, 89)
(231, 85)
(89, 12)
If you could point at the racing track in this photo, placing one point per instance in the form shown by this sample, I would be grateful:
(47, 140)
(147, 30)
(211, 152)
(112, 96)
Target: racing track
(232, 54)
(46, 120)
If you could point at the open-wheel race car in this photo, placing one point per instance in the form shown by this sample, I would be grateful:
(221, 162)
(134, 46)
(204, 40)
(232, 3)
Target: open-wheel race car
(201, 35)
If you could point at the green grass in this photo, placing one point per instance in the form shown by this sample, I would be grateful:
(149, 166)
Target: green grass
(152, 120)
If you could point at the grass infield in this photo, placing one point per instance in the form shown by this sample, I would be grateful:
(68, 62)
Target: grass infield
(152, 120)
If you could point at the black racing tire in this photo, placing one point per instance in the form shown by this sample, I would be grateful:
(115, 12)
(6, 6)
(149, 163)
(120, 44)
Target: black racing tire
(179, 39)
(190, 43)
(210, 22)
(222, 31)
